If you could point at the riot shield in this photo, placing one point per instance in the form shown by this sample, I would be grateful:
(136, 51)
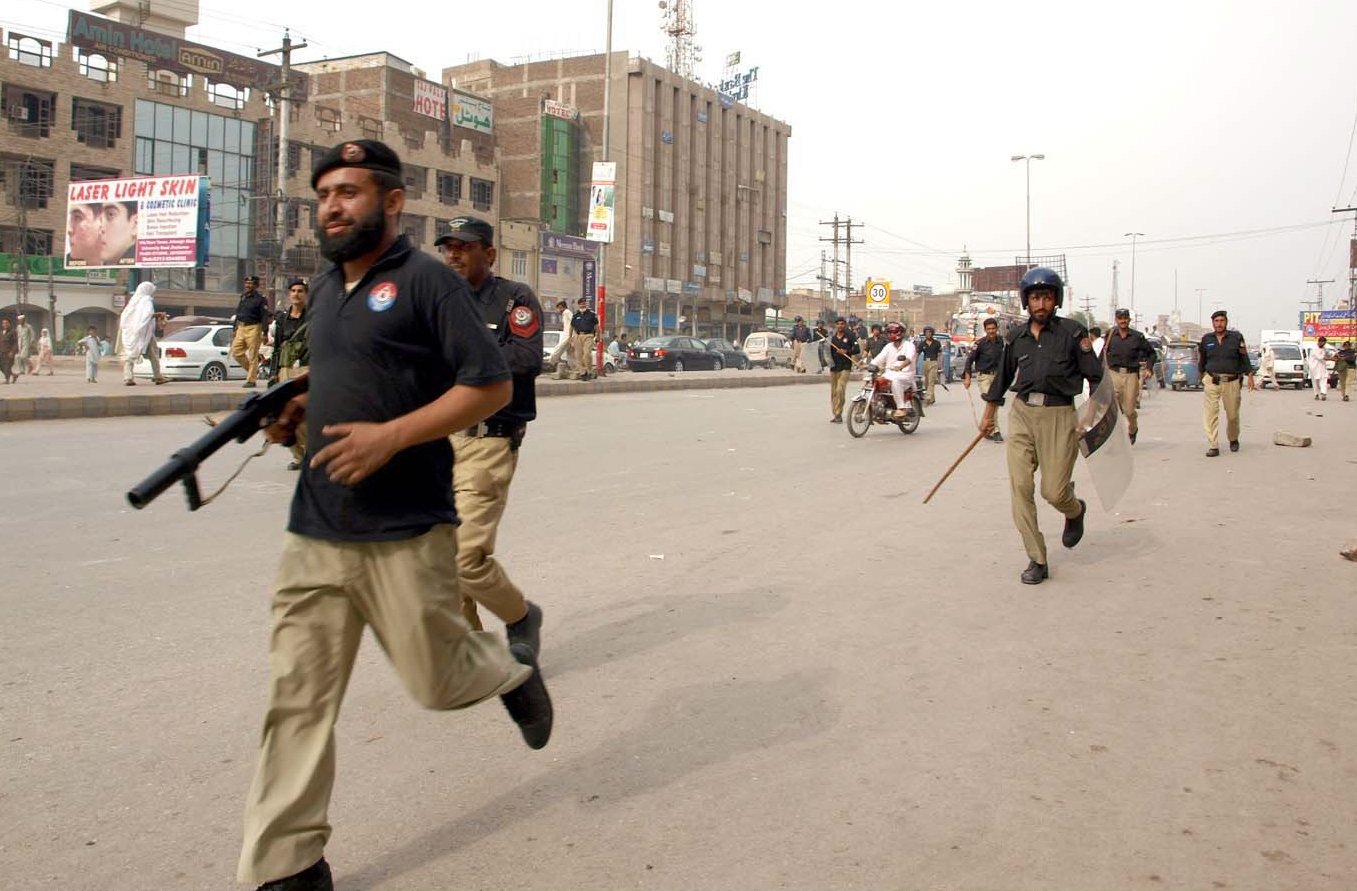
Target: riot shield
(1105, 445)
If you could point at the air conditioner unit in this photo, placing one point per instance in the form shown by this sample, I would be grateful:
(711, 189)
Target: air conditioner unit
(18, 112)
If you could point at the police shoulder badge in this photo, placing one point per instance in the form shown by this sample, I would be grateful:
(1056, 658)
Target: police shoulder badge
(523, 321)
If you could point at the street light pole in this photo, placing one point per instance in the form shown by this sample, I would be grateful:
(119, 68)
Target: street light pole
(1133, 236)
(1029, 159)
(1200, 292)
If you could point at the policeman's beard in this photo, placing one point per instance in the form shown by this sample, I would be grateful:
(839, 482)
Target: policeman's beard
(364, 237)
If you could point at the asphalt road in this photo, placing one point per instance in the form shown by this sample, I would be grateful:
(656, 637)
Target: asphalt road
(773, 667)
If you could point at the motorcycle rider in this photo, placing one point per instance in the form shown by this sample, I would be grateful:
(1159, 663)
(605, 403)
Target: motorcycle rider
(896, 359)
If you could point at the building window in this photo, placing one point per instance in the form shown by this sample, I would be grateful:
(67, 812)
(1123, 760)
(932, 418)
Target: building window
(29, 180)
(227, 96)
(413, 226)
(28, 112)
(30, 51)
(449, 187)
(520, 265)
(414, 177)
(168, 83)
(35, 242)
(330, 119)
(97, 67)
(482, 193)
(371, 127)
(294, 157)
(96, 124)
(84, 172)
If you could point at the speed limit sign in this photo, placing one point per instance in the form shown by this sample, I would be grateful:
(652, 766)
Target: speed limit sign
(878, 295)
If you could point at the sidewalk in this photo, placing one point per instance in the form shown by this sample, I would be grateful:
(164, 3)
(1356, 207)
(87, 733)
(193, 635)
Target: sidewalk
(66, 394)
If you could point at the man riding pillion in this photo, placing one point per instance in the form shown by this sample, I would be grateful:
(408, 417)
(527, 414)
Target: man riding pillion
(1045, 364)
(896, 359)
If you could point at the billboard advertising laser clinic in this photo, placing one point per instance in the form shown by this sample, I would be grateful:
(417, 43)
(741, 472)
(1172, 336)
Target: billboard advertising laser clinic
(149, 222)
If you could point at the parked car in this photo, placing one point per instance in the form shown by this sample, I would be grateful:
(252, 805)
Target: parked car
(769, 349)
(196, 353)
(672, 352)
(731, 355)
(550, 340)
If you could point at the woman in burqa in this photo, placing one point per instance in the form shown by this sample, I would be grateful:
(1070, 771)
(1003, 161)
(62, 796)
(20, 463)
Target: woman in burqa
(136, 327)
(44, 356)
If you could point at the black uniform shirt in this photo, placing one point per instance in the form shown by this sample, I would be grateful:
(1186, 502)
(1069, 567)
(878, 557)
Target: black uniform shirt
(1225, 356)
(514, 318)
(931, 351)
(584, 321)
(986, 356)
(402, 337)
(1129, 351)
(875, 344)
(252, 309)
(849, 344)
(1057, 364)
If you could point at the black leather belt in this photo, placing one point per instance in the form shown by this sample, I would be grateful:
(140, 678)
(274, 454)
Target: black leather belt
(1226, 378)
(1125, 369)
(1048, 400)
(491, 428)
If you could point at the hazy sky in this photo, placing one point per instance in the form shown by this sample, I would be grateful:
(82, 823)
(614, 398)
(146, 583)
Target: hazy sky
(1221, 130)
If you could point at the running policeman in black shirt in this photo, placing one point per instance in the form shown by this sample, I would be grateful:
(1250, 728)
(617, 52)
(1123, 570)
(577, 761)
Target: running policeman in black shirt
(399, 361)
(1129, 354)
(984, 360)
(1224, 362)
(1045, 364)
(485, 455)
(931, 351)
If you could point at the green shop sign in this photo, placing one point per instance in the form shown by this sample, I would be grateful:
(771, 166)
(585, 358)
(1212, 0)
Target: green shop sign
(37, 269)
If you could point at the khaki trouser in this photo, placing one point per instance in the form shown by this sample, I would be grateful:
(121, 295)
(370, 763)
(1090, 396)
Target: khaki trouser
(1225, 393)
(797, 364)
(327, 591)
(299, 447)
(984, 380)
(838, 389)
(482, 469)
(1344, 377)
(583, 345)
(1040, 437)
(245, 349)
(1126, 386)
(930, 380)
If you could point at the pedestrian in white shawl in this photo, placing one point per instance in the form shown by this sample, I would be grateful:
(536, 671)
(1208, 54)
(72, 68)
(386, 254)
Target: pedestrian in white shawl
(136, 333)
(44, 357)
(1319, 368)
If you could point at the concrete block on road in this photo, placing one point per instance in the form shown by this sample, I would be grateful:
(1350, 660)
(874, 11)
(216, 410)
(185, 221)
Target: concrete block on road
(1294, 440)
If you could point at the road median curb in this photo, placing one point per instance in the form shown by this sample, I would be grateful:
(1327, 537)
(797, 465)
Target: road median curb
(45, 408)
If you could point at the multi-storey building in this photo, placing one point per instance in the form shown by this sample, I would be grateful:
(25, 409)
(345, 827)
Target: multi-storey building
(701, 196)
(70, 113)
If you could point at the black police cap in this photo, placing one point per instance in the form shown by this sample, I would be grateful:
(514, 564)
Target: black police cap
(366, 153)
(298, 281)
(1219, 314)
(468, 229)
(1123, 313)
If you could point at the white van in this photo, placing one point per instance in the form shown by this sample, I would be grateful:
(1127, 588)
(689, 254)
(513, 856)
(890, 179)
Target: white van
(769, 349)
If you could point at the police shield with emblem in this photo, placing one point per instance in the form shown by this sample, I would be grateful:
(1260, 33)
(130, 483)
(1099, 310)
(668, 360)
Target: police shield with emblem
(1105, 445)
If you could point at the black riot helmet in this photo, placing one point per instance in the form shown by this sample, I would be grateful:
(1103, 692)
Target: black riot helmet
(1039, 278)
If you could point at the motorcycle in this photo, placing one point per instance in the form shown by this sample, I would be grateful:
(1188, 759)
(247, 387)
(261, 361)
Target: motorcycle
(875, 404)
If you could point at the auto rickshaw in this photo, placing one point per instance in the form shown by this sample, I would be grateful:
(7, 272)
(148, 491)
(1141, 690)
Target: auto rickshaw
(1180, 366)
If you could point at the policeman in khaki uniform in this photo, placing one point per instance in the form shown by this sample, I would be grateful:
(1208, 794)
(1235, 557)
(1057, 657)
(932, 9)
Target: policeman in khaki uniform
(486, 456)
(1045, 364)
(1129, 354)
(1224, 362)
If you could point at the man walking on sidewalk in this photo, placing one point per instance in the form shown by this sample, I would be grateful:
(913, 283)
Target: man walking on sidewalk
(251, 313)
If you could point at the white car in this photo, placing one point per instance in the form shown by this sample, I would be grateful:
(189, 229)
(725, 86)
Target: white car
(769, 349)
(195, 353)
(552, 339)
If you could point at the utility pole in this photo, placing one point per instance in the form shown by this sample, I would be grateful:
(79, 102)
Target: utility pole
(1200, 292)
(280, 197)
(1318, 302)
(848, 267)
(1352, 259)
(822, 278)
(1112, 313)
(834, 284)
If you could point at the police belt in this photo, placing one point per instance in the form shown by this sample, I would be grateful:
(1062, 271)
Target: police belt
(1125, 369)
(497, 429)
(1049, 400)
(1220, 377)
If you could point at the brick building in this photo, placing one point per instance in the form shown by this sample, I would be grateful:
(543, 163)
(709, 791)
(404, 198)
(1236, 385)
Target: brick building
(71, 114)
(701, 192)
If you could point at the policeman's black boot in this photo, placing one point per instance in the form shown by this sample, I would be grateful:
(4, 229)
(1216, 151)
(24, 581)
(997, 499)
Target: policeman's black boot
(529, 705)
(315, 877)
(527, 630)
(1074, 528)
(1133, 439)
(1034, 574)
